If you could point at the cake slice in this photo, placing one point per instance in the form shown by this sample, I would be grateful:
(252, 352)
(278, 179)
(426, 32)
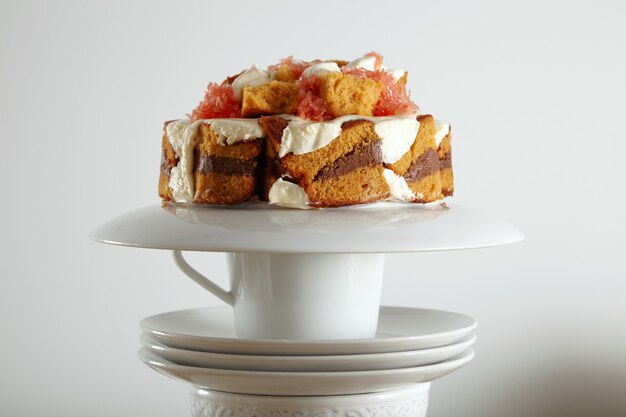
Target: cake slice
(169, 160)
(419, 166)
(346, 171)
(210, 161)
(225, 174)
(444, 138)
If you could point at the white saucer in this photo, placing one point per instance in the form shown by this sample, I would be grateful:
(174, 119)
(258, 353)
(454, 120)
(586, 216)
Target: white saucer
(399, 329)
(327, 363)
(303, 383)
(259, 227)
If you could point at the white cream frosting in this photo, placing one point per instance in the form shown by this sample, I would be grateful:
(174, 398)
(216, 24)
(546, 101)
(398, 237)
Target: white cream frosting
(251, 78)
(288, 194)
(397, 134)
(320, 69)
(365, 62)
(396, 73)
(303, 136)
(443, 129)
(398, 188)
(183, 136)
(230, 131)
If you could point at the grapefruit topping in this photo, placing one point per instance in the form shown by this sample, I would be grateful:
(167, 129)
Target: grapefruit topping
(296, 67)
(394, 98)
(379, 60)
(219, 102)
(310, 105)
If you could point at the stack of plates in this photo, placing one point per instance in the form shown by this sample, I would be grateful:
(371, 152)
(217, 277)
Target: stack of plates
(411, 348)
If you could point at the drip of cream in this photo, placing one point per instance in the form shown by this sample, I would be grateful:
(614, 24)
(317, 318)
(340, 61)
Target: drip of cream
(303, 136)
(398, 188)
(183, 137)
(288, 194)
(251, 77)
(443, 129)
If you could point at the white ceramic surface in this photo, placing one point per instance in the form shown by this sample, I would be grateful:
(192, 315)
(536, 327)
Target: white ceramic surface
(258, 227)
(411, 401)
(300, 296)
(399, 329)
(323, 363)
(303, 383)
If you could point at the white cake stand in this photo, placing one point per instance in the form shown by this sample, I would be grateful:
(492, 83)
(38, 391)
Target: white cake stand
(321, 246)
(313, 254)
(258, 227)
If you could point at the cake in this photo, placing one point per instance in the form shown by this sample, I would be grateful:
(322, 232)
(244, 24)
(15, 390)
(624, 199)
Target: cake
(308, 135)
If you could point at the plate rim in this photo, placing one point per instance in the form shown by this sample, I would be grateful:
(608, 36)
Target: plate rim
(269, 345)
(459, 360)
(129, 229)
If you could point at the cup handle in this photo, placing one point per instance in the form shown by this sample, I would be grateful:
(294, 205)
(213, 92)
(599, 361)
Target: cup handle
(201, 280)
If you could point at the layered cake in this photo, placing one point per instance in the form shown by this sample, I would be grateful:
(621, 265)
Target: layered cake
(308, 135)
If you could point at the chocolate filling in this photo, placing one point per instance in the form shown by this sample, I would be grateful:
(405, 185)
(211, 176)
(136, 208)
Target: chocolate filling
(426, 164)
(367, 155)
(446, 162)
(166, 168)
(275, 170)
(224, 165)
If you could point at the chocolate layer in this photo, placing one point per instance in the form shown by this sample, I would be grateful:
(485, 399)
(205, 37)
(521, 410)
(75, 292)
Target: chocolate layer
(426, 164)
(224, 165)
(446, 162)
(166, 167)
(367, 155)
(274, 169)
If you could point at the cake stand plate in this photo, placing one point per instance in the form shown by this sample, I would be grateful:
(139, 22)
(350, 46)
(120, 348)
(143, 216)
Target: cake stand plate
(259, 227)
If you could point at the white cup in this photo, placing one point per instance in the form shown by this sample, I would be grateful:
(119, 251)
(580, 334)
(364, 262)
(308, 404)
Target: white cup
(300, 296)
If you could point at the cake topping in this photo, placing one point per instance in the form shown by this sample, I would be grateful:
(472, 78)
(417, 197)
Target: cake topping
(371, 62)
(319, 69)
(308, 85)
(365, 62)
(396, 73)
(219, 101)
(250, 78)
(294, 66)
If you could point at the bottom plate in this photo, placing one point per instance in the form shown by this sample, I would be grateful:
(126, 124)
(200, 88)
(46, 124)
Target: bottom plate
(324, 363)
(303, 383)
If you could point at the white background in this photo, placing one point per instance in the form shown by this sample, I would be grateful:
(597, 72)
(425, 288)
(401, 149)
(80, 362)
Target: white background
(536, 94)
